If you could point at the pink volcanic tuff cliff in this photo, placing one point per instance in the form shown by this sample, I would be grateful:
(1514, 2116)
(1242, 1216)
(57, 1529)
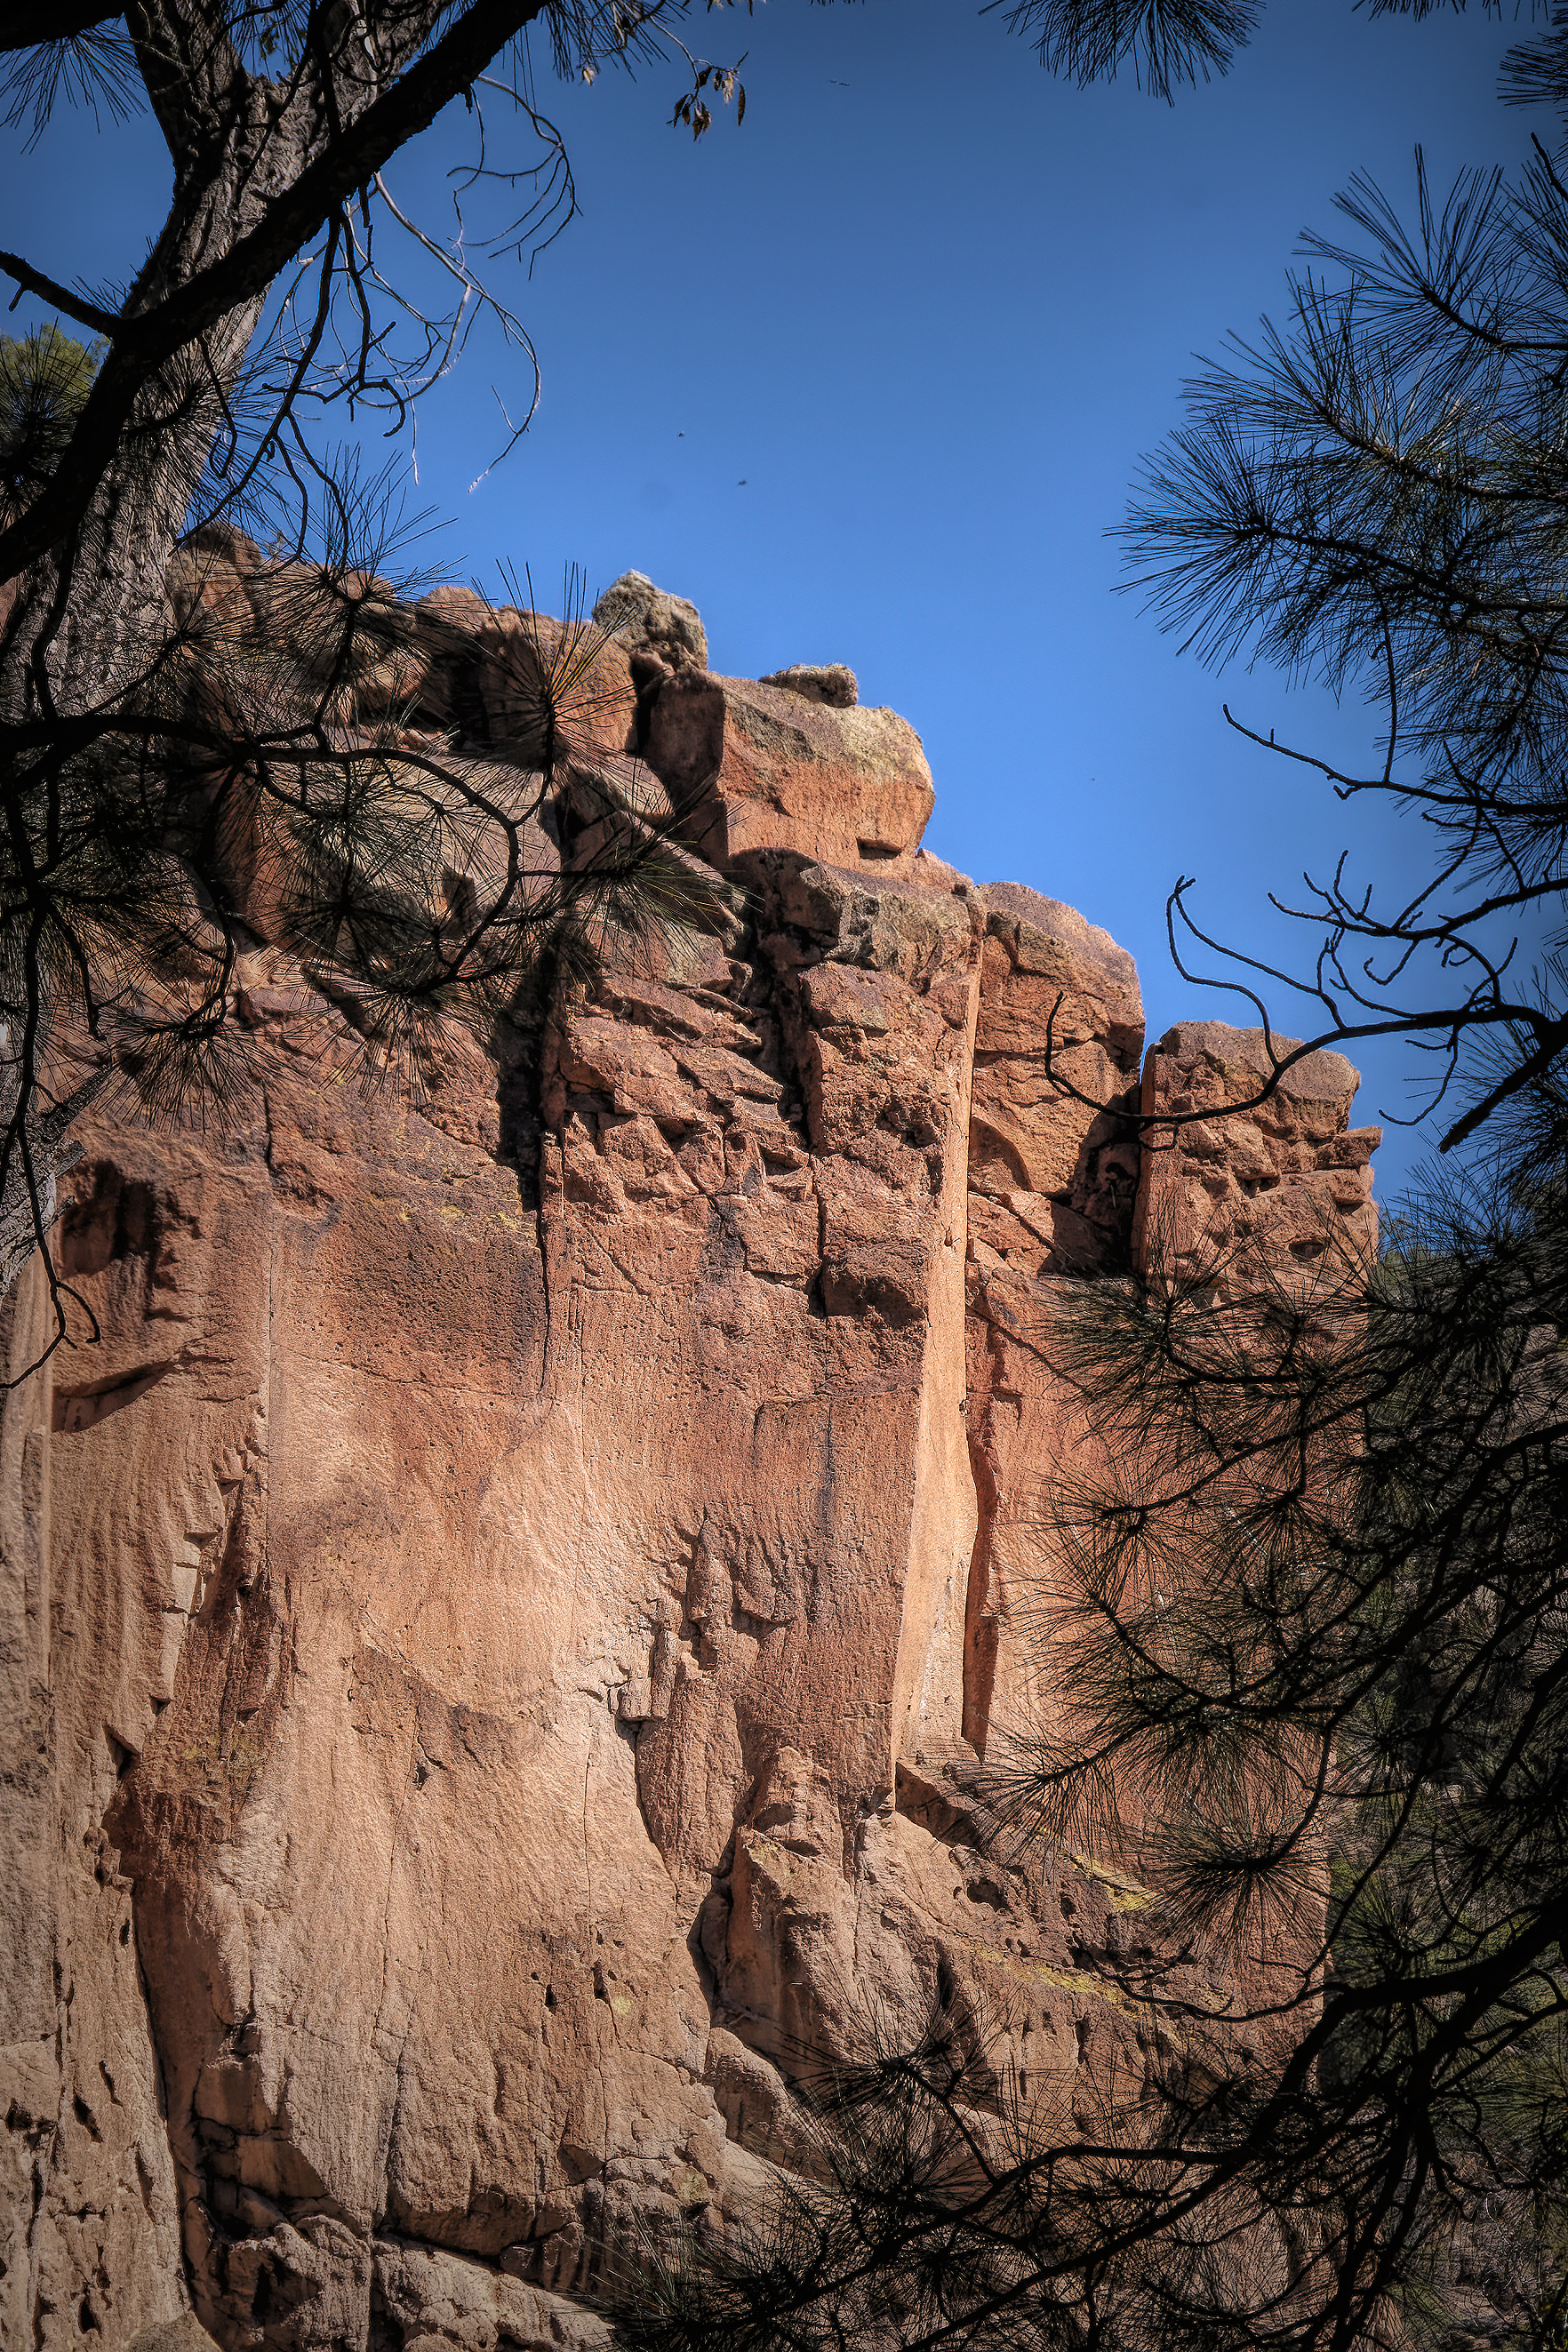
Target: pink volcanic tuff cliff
(493, 1634)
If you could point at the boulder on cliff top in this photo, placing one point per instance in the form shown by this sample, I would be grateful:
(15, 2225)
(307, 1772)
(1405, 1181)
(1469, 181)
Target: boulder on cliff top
(1085, 942)
(762, 767)
(832, 682)
(506, 680)
(1053, 1162)
(1320, 1076)
(647, 619)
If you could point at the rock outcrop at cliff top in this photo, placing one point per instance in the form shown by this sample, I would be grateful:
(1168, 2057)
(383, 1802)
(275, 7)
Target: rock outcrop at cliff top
(498, 1628)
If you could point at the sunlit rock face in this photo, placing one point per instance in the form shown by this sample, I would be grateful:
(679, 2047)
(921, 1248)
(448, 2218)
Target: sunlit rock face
(500, 1628)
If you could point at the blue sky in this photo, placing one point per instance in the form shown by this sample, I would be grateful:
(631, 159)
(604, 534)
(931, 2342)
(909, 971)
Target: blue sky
(870, 377)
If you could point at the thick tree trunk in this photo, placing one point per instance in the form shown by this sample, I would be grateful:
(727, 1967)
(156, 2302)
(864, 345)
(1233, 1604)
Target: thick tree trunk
(91, 617)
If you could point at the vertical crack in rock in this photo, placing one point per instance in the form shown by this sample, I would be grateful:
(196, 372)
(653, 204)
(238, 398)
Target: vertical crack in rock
(980, 1624)
(1052, 1180)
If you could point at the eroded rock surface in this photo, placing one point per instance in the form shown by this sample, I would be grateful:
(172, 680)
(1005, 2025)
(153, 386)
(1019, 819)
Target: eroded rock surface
(1286, 1180)
(649, 620)
(500, 1626)
(767, 767)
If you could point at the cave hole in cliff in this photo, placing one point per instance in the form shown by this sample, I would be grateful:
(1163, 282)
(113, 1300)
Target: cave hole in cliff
(116, 1219)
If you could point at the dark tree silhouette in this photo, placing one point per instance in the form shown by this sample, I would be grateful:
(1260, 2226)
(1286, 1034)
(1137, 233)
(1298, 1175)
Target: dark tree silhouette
(1374, 495)
(1163, 43)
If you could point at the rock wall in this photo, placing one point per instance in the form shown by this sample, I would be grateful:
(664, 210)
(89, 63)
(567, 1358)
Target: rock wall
(499, 1629)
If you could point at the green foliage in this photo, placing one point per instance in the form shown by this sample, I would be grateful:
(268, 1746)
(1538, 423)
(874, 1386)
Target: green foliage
(45, 379)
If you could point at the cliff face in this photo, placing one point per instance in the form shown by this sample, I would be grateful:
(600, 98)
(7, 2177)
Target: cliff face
(496, 1630)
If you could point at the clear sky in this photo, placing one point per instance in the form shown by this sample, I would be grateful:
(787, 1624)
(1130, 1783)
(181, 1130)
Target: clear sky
(870, 377)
